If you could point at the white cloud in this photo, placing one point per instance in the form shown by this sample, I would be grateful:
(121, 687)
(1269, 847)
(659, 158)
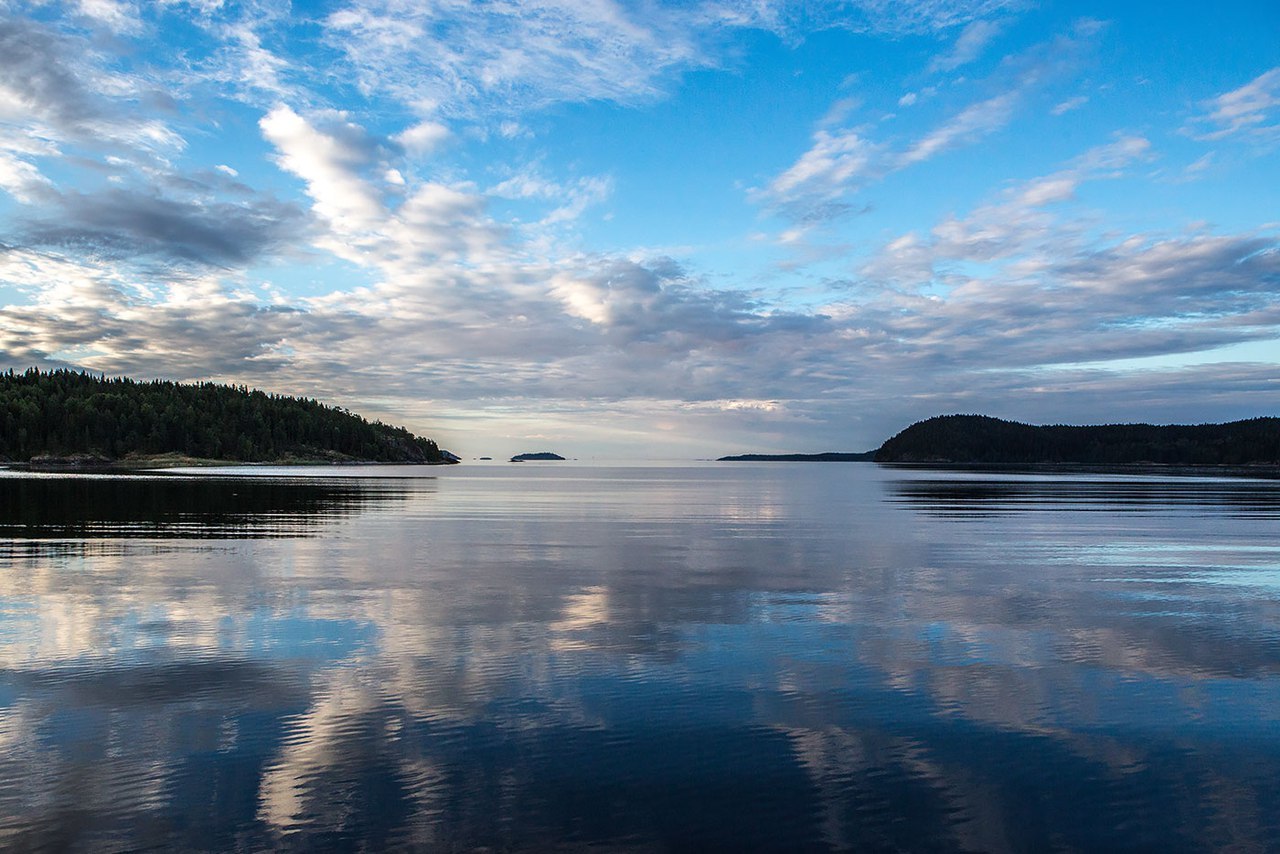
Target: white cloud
(423, 137)
(1198, 167)
(61, 97)
(972, 122)
(841, 161)
(1251, 109)
(913, 16)
(118, 16)
(1016, 226)
(22, 179)
(251, 65)
(969, 46)
(837, 163)
(330, 166)
(1070, 104)
(460, 57)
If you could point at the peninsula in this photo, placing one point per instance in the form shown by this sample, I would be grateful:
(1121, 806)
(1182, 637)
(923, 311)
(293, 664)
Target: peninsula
(981, 439)
(66, 417)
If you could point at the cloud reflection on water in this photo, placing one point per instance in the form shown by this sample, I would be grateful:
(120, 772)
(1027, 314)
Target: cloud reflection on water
(650, 657)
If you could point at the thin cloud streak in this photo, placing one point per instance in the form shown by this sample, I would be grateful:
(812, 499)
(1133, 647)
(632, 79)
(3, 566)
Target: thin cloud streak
(1252, 109)
(842, 162)
(968, 46)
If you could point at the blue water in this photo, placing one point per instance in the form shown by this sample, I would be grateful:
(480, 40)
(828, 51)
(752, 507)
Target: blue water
(712, 657)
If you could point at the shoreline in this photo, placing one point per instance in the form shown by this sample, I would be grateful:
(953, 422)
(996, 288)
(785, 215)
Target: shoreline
(100, 465)
(1269, 471)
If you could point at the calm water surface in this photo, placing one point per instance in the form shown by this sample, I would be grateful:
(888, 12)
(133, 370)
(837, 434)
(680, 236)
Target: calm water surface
(751, 657)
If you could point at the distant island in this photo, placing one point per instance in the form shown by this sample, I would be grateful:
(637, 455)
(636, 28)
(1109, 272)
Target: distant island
(72, 418)
(982, 439)
(541, 455)
(830, 457)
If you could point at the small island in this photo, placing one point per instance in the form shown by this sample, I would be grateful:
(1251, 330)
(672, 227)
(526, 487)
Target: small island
(540, 455)
(70, 419)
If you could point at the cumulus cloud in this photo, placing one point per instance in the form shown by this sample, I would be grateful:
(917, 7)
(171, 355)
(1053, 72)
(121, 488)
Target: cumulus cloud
(54, 86)
(124, 224)
(656, 301)
(21, 179)
(329, 159)
(610, 329)
(423, 137)
(1051, 294)
(115, 15)
(37, 81)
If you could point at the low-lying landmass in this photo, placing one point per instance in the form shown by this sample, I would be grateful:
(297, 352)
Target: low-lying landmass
(982, 439)
(540, 455)
(829, 457)
(76, 420)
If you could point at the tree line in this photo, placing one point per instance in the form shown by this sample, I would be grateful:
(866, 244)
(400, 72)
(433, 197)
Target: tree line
(65, 413)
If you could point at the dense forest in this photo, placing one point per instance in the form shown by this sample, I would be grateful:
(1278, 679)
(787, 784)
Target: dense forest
(67, 413)
(981, 439)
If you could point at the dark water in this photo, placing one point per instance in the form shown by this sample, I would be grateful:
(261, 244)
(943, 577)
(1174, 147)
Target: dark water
(735, 657)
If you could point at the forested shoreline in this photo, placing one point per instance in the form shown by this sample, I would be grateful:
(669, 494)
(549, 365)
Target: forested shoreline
(67, 414)
(983, 439)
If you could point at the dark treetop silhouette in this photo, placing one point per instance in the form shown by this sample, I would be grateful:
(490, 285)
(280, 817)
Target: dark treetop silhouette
(65, 414)
(982, 439)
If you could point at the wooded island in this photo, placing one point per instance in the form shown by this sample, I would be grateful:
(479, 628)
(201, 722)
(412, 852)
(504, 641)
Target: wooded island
(69, 415)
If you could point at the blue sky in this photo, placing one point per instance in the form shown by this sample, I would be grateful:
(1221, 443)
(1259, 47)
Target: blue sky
(652, 229)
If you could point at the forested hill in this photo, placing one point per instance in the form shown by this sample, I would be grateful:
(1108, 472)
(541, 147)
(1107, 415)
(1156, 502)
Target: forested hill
(981, 439)
(66, 413)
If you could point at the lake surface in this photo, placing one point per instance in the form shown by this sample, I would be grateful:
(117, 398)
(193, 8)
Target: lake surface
(717, 657)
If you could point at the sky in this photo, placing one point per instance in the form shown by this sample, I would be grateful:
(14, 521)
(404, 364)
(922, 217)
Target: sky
(652, 230)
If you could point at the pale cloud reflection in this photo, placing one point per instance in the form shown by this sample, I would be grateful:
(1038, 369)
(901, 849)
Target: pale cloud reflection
(528, 614)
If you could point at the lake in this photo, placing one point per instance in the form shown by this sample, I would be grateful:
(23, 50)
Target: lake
(776, 656)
